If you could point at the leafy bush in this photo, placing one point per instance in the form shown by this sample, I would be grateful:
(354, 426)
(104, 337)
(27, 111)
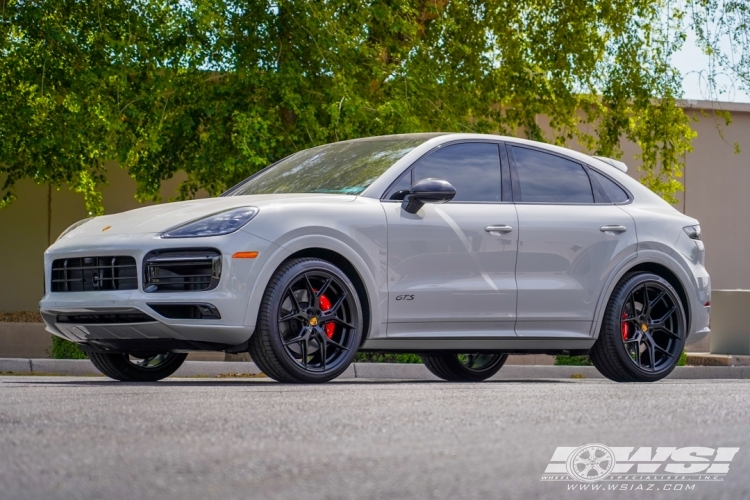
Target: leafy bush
(683, 359)
(585, 361)
(65, 349)
(573, 361)
(382, 357)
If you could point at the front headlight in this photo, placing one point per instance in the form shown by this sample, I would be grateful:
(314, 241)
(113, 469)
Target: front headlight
(214, 225)
(73, 226)
(694, 232)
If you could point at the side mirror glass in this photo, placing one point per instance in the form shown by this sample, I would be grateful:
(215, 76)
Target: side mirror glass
(427, 191)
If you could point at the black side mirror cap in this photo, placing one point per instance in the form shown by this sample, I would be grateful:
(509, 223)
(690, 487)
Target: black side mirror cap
(427, 191)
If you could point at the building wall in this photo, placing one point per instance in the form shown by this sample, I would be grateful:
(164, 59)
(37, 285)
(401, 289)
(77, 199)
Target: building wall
(717, 186)
(35, 220)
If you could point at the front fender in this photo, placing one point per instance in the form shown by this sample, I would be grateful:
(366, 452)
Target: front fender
(286, 249)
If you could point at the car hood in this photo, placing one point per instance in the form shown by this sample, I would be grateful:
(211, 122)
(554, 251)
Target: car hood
(159, 218)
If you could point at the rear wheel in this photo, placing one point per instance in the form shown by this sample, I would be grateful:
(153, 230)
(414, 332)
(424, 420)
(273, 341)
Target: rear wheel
(462, 367)
(310, 323)
(643, 332)
(127, 368)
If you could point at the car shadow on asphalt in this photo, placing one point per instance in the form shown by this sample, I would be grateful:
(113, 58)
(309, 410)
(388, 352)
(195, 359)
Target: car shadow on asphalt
(206, 382)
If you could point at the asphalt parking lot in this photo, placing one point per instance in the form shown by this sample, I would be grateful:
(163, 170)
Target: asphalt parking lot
(70, 438)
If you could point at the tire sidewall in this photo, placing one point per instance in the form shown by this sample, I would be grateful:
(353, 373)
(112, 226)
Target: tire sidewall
(275, 299)
(119, 367)
(615, 308)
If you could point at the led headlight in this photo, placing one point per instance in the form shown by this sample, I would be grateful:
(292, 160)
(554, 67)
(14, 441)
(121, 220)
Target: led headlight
(214, 225)
(694, 232)
(73, 226)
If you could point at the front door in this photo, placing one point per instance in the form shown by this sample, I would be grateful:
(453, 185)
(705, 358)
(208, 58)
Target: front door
(451, 267)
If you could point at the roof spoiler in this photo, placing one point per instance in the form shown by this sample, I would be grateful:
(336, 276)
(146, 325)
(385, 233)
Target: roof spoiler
(615, 163)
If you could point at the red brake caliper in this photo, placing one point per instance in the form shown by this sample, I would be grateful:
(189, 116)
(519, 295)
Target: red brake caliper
(325, 305)
(625, 329)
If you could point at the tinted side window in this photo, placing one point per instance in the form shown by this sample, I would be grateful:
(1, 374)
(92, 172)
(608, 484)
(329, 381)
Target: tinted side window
(401, 188)
(546, 178)
(616, 193)
(472, 168)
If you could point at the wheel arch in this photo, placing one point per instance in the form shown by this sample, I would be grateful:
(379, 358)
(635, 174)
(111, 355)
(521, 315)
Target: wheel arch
(339, 254)
(656, 263)
(667, 274)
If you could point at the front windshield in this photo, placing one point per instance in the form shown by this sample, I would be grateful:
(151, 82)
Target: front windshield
(346, 167)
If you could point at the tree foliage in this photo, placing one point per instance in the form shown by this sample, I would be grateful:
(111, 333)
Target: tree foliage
(220, 88)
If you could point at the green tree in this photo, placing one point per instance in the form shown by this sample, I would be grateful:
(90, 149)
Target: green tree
(220, 88)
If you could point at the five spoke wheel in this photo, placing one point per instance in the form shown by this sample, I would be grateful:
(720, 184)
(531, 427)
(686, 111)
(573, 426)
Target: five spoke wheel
(650, 326)
(310, 323)
(643, 332)
(315, 320)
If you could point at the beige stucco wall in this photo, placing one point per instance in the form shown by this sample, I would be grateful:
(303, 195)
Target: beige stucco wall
(717, 183)
(24, 227)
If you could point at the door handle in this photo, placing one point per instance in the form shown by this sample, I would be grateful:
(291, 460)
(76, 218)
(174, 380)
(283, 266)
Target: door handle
(613, 229)
(499, 229)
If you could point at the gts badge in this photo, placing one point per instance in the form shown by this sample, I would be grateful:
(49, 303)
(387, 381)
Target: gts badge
(405, 297)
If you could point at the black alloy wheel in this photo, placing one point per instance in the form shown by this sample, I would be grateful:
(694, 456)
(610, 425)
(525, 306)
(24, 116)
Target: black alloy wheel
(310, 323)
(643, 332)
(137, 368)
(464, 367)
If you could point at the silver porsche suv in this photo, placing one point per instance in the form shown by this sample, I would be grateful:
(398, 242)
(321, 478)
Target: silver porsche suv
(463, 248)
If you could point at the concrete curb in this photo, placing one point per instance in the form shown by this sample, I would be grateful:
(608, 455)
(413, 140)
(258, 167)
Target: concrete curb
(372, 371)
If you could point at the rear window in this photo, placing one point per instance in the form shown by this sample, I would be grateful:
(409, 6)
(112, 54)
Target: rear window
(615, 193)
(547, 178)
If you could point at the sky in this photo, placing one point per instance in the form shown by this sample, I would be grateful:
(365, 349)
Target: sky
(692, 63)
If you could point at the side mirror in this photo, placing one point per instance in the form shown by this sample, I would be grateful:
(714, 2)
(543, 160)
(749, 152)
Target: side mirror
(427, 191)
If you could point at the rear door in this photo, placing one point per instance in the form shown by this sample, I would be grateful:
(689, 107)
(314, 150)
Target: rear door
(449, 273)
(571, 236)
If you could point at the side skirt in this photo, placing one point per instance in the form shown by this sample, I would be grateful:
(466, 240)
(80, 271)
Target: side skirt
(468, 344)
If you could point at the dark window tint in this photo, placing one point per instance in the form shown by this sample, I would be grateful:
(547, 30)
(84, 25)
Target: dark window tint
(616, 193)
(546, 178)
(473, 169)
(401, 188)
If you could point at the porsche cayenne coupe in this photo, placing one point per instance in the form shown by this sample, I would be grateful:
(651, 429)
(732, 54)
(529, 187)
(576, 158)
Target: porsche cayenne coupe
(463, 248)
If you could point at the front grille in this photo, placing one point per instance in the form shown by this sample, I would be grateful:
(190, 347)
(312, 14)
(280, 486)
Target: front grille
(88, 274)
(181, 271)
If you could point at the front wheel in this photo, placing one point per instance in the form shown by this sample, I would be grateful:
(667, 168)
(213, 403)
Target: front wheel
(643, 332)
(127, 368)
(310, 323)
(461, 367)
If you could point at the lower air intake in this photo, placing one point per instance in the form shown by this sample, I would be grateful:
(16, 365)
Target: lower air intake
(181, 271)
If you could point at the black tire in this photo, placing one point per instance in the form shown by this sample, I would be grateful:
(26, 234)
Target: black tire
(300, 349)
(632, 345)
(454, 368)
(120, 367)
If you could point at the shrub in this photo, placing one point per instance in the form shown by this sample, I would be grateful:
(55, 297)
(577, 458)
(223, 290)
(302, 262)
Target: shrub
(383, 357)
(573, 361)
(65, 349)
(683, 359)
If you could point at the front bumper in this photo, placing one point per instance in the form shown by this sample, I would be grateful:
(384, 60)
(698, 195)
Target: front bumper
(230, 297)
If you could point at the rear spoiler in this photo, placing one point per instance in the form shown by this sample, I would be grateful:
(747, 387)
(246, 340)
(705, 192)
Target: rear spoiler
(615, 163)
